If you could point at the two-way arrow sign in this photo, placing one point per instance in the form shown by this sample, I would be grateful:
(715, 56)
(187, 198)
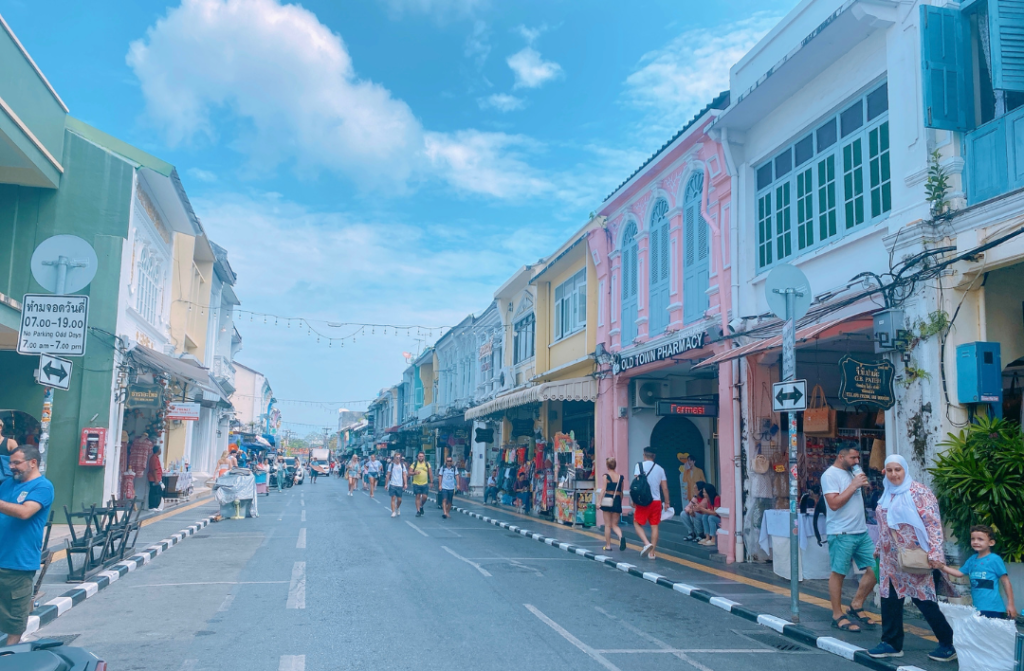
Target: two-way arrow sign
(789, 396)
(54, 372)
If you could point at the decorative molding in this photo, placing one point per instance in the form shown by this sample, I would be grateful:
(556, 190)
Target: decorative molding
(639, 208)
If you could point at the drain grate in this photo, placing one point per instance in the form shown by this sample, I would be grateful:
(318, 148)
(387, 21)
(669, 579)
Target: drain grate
(773, 640)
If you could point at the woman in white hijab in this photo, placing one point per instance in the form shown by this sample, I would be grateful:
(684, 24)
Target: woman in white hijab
(908, 520)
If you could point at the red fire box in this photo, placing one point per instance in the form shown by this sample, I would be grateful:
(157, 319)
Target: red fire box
(93, 449)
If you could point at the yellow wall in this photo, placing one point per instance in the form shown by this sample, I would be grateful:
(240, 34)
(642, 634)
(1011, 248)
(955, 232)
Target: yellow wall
(550, 354)
(190, 298)
(426, 373)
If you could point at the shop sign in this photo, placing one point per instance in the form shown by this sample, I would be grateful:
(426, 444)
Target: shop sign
(867, 382)
(681, 344)
(668, 408)
(145, 396)
(185, 412)
(485, 349)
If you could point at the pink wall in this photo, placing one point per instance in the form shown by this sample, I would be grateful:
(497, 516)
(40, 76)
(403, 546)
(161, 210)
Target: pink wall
(667, 177)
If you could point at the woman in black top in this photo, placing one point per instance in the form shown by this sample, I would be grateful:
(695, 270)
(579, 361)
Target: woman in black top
(611, 505)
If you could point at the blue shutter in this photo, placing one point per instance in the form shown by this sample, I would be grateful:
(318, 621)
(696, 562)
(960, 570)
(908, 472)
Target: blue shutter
(1006, 30)
(946, 69)
(659, 286)
(696, 252)
(629, 286)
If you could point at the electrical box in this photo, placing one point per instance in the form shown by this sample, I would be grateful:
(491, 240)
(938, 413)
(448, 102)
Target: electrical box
(979, 373)
(888, 328)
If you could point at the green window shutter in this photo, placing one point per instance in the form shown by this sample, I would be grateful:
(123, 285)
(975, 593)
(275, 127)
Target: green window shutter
(946, 68)
(1006, 28)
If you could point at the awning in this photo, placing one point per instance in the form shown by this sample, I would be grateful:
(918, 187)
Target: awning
(575, 389)
(829, 329)
(181, 369)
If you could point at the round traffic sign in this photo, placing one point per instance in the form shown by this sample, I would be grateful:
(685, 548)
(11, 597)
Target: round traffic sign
(781, 279)
(71, 251)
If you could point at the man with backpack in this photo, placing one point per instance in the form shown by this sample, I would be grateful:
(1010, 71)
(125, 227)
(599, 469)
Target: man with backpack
(398, 480)
(649, 494)
(448, 476)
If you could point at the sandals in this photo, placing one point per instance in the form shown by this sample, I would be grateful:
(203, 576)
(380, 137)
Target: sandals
(606, 549)
(848, 627)
(861, 616)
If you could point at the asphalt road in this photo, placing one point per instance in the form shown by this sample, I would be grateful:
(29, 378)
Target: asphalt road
(326, 581)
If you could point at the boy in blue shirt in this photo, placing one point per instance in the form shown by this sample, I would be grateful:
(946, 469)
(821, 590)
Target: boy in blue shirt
(986, 571)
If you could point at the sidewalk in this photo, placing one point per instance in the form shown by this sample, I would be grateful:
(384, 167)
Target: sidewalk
(745, 590)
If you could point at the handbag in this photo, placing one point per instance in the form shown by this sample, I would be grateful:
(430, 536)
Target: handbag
(911, 560)
(877, 461)
(761, 463)
(819, 418)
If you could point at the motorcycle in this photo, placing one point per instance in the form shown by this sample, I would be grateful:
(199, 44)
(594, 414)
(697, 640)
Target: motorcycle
(48, 655)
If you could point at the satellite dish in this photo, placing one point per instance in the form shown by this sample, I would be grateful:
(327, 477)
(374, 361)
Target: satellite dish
(781, 278)
(81, 263)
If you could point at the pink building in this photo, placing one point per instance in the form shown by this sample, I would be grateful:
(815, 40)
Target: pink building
(665, 286)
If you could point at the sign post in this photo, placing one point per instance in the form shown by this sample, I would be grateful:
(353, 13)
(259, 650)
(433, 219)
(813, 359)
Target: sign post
(56, 324)
(789, 295)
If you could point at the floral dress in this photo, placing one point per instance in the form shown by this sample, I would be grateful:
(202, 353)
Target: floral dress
(917, 586)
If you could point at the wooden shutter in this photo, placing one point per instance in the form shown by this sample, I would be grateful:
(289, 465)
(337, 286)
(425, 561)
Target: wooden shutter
(946, 68)
(1006, 30)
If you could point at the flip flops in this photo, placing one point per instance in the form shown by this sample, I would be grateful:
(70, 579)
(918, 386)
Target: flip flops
(849, 626)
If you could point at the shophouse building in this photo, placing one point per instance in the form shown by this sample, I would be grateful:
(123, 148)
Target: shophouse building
(252, 400)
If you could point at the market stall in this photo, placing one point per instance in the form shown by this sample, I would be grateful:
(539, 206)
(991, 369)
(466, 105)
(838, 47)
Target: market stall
(574, 477)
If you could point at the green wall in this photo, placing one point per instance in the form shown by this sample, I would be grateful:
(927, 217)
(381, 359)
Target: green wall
(94, 203)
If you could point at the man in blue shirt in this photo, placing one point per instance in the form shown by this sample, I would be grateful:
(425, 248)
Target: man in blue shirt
(25, 501)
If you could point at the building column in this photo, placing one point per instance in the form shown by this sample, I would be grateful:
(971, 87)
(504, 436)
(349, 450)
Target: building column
(478, 474)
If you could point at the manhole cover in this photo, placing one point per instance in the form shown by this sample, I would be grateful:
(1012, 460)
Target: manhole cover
(773, 640)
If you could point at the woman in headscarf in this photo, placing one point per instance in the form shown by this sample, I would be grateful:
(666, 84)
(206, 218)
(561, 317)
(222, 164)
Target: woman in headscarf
(908, 520)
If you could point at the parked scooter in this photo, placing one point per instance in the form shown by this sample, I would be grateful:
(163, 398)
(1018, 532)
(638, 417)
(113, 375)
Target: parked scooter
(48, 655)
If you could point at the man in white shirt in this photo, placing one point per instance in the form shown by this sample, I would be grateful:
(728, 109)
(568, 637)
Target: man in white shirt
(650, 513)
(398, 480)
(848, 538)
(448, 476)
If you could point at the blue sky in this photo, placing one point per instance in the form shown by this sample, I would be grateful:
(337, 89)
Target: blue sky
(385, 161)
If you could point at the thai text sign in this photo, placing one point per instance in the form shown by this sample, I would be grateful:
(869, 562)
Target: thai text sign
(52, 324)
(866, 382)
(144, 396)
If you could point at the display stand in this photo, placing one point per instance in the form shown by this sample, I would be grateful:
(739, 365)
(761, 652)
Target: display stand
(572, 496)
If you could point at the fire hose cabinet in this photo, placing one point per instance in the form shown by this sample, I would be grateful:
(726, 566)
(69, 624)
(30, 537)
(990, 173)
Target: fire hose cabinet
(979, 373)
(92, 451)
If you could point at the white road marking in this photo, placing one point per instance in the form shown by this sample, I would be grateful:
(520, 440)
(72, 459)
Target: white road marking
(292, 663)
(418, 529)
(484, 572)
(301, 543)
(303, 502)
(672, 651)
(220, 582)
(528, 568)
(656, 641)
(226, 603)
(297, 589)
(303, 518)
(593, 654)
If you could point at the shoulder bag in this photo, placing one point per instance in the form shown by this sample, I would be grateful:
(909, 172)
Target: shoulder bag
(910, 560)
(819, 418)
(608, 500)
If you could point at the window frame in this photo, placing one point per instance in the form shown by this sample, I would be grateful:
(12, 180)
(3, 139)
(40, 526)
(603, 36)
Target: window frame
(572, 293)
(802, 191)
(524, 338)
(149, 289)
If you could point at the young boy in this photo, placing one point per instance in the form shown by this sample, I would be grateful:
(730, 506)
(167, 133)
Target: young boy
(985, 568)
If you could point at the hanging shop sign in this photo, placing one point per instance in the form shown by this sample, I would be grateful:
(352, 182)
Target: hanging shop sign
(185, 412)
(682, 408)
(145, 396)
(681, 344)
(867, 382)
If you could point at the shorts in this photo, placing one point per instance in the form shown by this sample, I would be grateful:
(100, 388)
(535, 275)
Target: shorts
(15, 600)
(395, 490)
(419, 490)
(447, 495)
(649, 514)
(844, 548)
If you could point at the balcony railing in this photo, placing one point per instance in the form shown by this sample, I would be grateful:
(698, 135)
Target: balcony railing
(995, 157)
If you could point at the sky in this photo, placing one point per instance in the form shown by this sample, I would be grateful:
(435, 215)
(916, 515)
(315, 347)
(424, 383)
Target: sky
(388, 162)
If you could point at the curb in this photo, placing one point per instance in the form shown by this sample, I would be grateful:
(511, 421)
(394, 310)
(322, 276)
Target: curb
(792, 631)
(54, 608)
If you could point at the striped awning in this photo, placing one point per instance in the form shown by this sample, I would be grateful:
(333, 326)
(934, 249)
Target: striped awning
(575, 389)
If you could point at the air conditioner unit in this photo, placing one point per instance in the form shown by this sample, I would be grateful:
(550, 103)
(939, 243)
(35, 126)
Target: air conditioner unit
(647, 393)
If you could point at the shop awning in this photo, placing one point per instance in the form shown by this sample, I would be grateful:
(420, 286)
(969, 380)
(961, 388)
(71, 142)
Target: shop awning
(575, 389)
(181, 369)
(827, 329)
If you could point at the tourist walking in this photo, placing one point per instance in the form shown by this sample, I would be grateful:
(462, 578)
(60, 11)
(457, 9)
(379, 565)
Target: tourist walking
(909, 547)
(398, 480)
(352, 473)
(848, 539)
(373, 471)
(611, 505)
(448, 477)
(422, 478)
(649, 493)
(25, 500)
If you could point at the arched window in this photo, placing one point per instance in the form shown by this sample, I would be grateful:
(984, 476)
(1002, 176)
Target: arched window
(659, 286)
(629, 284)
(147, 298)
(696, 252)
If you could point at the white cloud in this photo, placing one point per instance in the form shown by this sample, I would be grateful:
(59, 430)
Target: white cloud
(531, 34)
(282, 71)
(502, 102)
(531, 70)
(677, 80)
(477, 47)
(441, 9)
(202, 175)
(490, 163)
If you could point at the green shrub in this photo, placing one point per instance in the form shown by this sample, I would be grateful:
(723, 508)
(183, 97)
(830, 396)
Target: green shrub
(980, 480)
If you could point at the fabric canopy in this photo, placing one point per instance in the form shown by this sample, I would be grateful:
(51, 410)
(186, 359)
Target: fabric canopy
(575, 389)
(181, 369)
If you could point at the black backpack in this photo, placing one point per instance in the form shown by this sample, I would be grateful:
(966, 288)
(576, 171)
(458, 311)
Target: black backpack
(640, 489)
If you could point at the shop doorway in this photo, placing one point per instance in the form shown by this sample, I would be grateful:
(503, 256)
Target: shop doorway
(673, 436)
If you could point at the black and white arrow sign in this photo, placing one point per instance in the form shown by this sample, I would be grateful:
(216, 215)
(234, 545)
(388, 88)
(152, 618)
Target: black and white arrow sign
(789, 396)
(54, 372)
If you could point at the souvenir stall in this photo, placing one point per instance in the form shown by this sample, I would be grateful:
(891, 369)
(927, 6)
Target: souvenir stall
(142, 428)
(574, 478)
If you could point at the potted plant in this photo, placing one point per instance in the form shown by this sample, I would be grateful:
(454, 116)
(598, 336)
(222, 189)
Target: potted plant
(979, 479)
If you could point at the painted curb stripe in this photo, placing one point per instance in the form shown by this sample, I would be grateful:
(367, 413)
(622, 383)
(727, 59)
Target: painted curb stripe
(793, 631)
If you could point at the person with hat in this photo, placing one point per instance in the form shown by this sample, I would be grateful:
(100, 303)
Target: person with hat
(689, 475)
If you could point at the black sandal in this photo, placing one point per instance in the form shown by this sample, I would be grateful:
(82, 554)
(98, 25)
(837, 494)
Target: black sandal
(848, 627)
(861, 616)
